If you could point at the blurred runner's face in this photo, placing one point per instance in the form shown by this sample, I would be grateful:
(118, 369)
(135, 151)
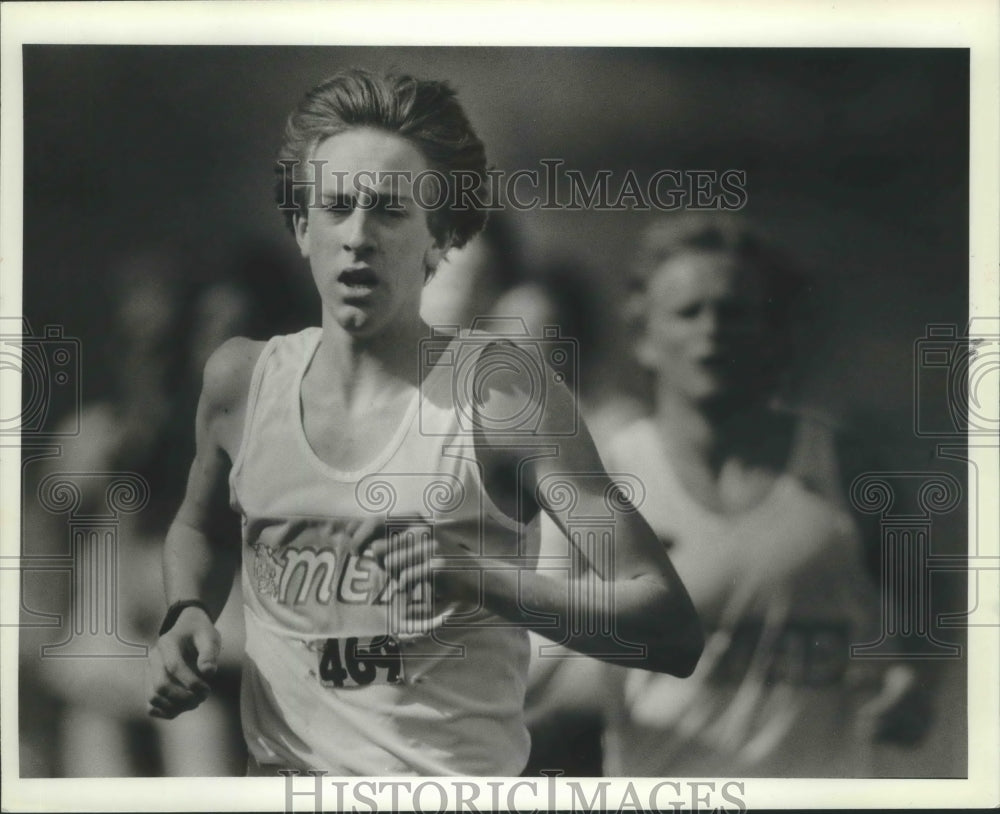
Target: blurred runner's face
(367, 241)
(706, 334)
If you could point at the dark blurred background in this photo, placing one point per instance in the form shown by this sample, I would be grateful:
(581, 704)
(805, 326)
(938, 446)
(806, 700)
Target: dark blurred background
(857, 160)
(157, 161)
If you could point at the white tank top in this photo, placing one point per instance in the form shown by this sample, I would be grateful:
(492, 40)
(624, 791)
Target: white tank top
(782, 593)
(333, 678)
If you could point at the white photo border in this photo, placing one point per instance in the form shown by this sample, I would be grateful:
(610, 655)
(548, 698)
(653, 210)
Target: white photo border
(791, 23)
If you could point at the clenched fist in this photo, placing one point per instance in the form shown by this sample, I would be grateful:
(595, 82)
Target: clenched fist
(181, 663)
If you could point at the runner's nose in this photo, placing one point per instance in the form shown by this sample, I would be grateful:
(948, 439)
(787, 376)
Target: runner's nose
(359, 231)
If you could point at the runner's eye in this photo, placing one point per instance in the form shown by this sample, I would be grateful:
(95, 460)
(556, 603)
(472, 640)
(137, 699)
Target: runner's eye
(340, 206)
(389, 207)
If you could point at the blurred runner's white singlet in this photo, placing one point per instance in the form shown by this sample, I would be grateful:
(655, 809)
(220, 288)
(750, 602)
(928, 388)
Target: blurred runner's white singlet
(783, 594)
(333, 677)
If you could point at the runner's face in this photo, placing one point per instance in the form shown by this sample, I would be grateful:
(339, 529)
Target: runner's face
(368, 254)
(706, 333)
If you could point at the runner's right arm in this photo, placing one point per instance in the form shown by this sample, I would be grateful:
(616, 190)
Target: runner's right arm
(200, 556)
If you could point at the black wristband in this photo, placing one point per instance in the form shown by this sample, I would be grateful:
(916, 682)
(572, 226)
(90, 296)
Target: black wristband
(175, 610)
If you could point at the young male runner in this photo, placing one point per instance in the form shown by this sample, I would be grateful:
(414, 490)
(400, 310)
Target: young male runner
(388, 486)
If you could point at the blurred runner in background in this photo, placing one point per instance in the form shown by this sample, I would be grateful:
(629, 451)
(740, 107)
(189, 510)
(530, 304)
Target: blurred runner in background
(750, 499)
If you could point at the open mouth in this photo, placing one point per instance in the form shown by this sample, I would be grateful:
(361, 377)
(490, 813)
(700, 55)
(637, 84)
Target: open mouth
(360, 276)
(359, 281)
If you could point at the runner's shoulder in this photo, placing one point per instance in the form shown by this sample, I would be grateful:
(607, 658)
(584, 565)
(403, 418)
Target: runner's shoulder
(228, 371)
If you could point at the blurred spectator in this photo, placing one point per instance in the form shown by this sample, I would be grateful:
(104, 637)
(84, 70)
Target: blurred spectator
(103, 730)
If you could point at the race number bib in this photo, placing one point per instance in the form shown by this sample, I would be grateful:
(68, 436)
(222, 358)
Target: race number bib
(353, 662)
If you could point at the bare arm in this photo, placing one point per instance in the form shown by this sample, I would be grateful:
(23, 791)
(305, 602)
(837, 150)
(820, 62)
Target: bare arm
(630, 607)
(199, 559)
(200, 556)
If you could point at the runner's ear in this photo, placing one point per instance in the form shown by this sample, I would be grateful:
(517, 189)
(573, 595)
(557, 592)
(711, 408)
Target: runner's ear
(435, 253)
(300, 222)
